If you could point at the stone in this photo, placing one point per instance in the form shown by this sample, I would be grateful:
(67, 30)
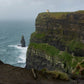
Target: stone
(22, 41)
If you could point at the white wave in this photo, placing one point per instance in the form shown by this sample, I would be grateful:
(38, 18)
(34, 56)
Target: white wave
(21, 58)
(11, 45)
(15, 46)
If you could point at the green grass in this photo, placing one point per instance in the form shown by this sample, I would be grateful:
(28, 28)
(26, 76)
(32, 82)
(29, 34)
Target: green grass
(57, 15)
(50, 50)
(38, 35)
(61, 56)
(80, 11)
(66, 58)
(55, 74)
(60, 14)
(70, 60)
(73, 45)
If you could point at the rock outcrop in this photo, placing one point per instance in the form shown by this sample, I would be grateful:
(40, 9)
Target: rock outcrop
(22, 41)
(58, 42)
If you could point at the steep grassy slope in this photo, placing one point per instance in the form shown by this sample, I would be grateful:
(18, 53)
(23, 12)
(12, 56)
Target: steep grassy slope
(46, 56)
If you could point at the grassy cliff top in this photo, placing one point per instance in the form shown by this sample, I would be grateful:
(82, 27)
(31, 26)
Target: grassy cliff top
(80, 11)
(56, 15)
(59, 15)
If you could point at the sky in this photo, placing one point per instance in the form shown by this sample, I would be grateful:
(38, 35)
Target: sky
(29, 9)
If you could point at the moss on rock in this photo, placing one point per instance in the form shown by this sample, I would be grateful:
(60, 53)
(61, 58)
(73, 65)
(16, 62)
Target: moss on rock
(48, 49)
(55, 75)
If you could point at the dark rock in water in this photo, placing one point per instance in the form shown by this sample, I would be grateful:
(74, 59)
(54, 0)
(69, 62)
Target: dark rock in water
(19, 45)
(22, 41)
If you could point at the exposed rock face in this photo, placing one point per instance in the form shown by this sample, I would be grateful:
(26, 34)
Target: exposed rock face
(58, 42)
(38, 60)
(60, 29)
(22, 41)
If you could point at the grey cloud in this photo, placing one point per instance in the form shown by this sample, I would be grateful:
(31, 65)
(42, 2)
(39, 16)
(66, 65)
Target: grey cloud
(27, 9)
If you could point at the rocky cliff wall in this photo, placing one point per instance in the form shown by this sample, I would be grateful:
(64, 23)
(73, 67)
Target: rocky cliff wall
(58, 42)
(39, 58)
(60, 30)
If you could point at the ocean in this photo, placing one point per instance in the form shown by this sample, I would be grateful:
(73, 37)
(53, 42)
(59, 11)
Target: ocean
(10, 36)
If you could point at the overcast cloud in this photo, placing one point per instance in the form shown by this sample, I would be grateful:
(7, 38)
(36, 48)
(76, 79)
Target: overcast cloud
(28, 9)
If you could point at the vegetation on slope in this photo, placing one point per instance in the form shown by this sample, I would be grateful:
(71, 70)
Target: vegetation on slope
(70, 42)
(77, 47)
(67, 59)
(60, 35)
(38, 35)
(54, 74)
(50, 50)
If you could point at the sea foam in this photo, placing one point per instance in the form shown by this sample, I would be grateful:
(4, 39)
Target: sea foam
(21, 58)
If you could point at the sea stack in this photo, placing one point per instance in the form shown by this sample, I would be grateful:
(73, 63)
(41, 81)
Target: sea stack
(22, 41)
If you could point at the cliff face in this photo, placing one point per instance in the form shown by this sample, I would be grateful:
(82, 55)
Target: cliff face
(39, 58)
(58, 42)
(60, 30)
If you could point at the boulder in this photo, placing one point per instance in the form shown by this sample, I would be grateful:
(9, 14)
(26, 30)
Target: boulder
(22, 41)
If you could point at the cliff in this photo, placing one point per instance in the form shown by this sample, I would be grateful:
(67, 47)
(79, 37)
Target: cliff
(61, 30)
(58, 42)
(55, 53)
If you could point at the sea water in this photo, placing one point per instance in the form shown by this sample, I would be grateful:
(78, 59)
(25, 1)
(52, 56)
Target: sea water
(10, 36)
